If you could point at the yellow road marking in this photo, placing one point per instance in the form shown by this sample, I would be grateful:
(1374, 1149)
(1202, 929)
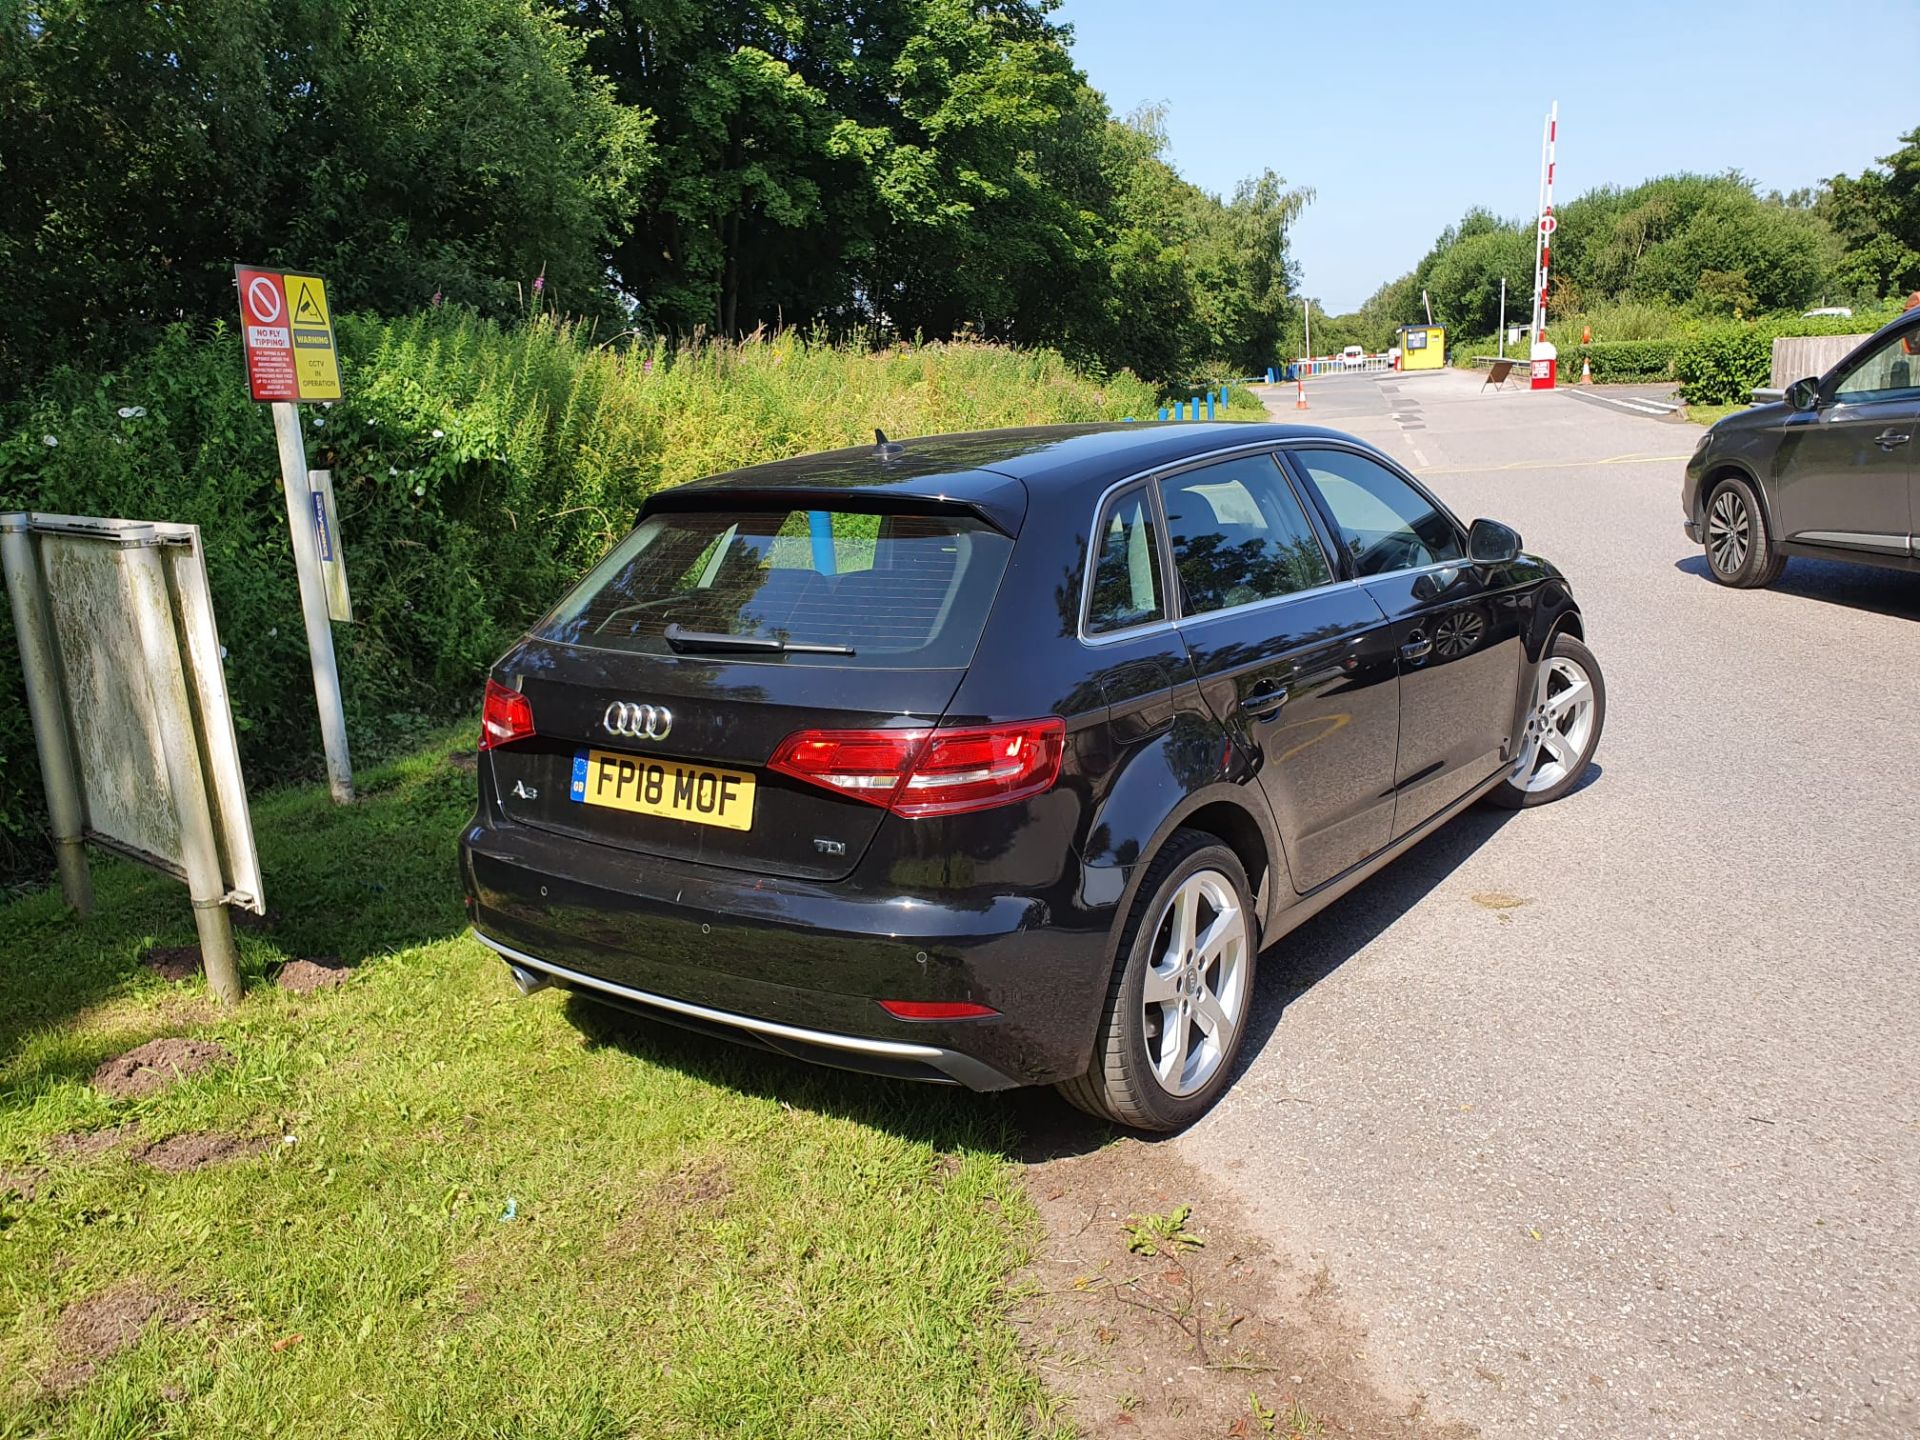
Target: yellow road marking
(1556, 464)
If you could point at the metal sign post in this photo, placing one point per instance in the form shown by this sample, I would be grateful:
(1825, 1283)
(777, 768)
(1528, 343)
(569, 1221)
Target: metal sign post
(288, 337)
(38, 660)
(313, 600)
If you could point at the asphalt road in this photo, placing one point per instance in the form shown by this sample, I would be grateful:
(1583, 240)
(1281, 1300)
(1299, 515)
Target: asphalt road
(1639, 1155)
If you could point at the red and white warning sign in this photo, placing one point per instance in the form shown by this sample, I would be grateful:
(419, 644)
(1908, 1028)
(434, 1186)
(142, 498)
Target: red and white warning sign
(267, 336)
(289, 344)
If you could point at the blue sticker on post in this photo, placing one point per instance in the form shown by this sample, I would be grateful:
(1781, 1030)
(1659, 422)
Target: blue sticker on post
(577, 791)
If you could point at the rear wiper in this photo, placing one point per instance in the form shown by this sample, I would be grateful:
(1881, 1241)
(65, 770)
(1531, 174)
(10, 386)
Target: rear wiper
(686, 642)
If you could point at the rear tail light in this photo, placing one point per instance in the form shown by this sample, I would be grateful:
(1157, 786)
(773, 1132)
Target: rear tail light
(919, 773)
(506, 716)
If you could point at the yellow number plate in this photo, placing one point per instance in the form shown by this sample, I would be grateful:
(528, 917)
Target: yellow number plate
(697, 793)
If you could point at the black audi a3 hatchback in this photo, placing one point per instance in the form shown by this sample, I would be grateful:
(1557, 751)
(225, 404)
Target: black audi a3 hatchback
(996, 759)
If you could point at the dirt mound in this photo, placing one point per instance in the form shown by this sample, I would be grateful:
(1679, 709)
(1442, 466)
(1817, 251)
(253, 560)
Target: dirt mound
(303, 977)
(173, 962)
(154, 1066)
(247, 920)
(95, 1329)
(88, 1144)
(178, 1154)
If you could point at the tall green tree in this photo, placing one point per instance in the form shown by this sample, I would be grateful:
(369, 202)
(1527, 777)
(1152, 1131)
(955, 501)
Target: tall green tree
(1876, 215)
(404, 148)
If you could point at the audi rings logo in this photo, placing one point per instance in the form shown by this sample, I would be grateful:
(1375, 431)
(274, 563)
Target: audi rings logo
(637, 722)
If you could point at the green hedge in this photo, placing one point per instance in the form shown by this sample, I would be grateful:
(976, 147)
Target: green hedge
(477, 469)
(1622, 360)
(1725, 365)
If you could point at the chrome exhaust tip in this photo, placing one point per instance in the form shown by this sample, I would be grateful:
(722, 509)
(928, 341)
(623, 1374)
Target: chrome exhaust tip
(525, 980)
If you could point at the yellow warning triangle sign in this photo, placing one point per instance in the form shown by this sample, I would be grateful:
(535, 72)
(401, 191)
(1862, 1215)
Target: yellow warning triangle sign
(306, 310)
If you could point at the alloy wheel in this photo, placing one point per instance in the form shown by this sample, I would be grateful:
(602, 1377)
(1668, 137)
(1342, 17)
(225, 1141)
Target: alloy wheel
(1194, 996)
(1729, 531)
(1559, 727)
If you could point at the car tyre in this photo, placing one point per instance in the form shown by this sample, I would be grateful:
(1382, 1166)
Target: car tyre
(1739, 550)
(1563, 725)
(1182, 988)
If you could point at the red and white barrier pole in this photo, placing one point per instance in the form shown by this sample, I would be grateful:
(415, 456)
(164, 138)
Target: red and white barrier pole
(1544, 358)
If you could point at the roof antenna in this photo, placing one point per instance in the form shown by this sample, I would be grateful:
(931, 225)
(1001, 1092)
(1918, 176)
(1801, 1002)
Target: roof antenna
(884, 448)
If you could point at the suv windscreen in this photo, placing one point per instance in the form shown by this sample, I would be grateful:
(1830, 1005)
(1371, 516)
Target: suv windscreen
(896, 591)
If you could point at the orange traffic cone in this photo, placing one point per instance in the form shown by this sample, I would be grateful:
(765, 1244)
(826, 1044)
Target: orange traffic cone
(1300, 395)
(1586, 371)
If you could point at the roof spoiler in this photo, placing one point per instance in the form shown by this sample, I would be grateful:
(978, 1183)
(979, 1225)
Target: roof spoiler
(1003, 506)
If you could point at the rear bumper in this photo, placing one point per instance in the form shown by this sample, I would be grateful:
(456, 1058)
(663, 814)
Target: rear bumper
(799, 966)
(848, 1052)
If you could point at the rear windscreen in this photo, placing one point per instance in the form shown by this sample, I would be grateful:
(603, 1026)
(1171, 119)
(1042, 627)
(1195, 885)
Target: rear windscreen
(899, 590)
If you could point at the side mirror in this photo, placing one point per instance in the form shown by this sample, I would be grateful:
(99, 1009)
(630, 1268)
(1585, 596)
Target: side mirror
(1491, 543)
(1804, 394)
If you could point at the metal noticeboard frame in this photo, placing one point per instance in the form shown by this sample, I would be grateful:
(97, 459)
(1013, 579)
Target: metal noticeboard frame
(128, 698)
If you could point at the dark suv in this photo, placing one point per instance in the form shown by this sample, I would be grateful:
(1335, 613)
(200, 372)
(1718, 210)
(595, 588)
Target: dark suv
(1828, 471)
(996, 759)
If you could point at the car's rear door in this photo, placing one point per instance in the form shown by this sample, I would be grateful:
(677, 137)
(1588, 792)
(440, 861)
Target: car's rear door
(1456, 626)
(1298, 666)
(653, 732)
(1844, 476)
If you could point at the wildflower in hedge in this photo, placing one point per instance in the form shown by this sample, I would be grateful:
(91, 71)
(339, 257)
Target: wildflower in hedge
(436, 299)
(540, 282)
(419, 490)
(132, 412)
(439, 434)
(393, 469)
(50, 441)
(319, 422)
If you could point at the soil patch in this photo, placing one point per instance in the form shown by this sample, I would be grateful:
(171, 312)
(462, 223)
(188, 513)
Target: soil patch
(303, 977)
(89, 1144)
(154, 1066)
(173, 962)
(95, 1329)
(698, 1185)
(24, 1182)
(1156, 1312)
(247, 920)
(467, 762)
(178, 1154)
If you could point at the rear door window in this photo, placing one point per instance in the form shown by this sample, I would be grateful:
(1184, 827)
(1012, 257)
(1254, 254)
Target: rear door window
(1126, 590)
(898, 590)
(1239, 535)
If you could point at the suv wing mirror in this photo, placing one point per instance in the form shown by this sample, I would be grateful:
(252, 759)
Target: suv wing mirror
(1491, 543)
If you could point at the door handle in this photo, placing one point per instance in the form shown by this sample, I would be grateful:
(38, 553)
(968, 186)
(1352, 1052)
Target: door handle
(1265, 700)
(1887, 439)
(1418, 647)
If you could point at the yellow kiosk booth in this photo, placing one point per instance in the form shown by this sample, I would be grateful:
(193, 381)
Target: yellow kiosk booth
(1423, 347)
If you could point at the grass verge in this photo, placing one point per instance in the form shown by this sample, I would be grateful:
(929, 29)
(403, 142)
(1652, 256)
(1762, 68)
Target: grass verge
(1707, 414)
(465, 1213)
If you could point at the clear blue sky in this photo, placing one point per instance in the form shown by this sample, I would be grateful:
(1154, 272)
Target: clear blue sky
(1403, 115)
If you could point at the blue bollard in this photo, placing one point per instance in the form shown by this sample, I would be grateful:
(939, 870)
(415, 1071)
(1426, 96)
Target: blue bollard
(1126, 419)
(1209, 404)
(820, 528)
(1163, 412)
